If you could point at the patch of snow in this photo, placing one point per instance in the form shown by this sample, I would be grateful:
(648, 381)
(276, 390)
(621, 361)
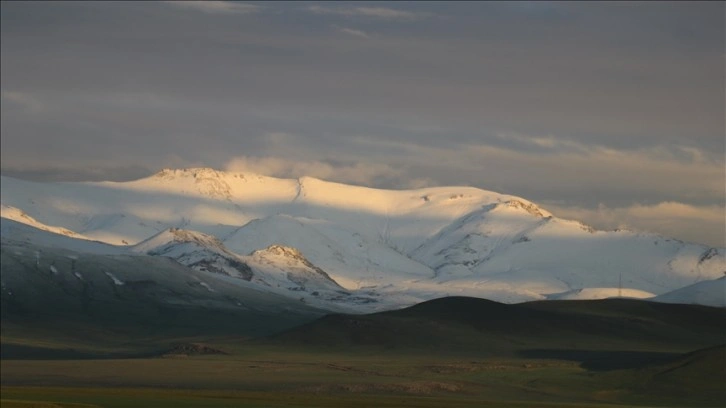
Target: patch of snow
(54, 270)
(206, 286)
(600, 293)
(116, 281)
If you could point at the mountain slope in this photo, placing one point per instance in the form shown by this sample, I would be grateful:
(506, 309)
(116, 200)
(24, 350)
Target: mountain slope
(196, 250)
(17, 215)
(54, 295)
(709, 293)
(276, 268)
(19, 233)
(353, 259)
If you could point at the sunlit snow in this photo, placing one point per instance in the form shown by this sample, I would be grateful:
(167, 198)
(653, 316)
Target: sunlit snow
(116, 281)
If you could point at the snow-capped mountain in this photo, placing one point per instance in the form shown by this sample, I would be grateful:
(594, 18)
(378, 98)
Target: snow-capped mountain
(50, 280)
(708, 292)
(357, 247)
(196, 250)
(276, 268)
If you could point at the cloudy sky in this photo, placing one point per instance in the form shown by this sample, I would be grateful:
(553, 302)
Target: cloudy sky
(611, 113)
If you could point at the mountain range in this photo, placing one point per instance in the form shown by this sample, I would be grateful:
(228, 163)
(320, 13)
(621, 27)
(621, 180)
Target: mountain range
(326, 246)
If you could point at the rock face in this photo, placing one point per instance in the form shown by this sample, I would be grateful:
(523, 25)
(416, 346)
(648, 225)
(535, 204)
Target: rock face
(530, 208)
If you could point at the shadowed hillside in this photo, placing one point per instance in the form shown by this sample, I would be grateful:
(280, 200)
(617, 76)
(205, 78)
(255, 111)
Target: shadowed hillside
(460, 324)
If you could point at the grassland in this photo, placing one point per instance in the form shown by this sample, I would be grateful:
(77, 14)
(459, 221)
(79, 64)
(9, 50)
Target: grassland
(271, 377)
(449, 353)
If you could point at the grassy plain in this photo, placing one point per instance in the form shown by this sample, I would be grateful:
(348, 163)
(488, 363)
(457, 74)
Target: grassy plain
(272, 377)
(446, 353)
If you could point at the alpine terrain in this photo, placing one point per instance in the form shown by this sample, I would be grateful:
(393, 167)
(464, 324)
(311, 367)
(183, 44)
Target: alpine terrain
(192, 236)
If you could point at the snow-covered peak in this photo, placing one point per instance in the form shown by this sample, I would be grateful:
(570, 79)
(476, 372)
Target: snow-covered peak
(182, 235)
(292, 261)
(173, 236)
(197, 250)
(281, 250)
(206, 181)
(210, 185)
(526, 206)
(196, 173)
(281, 254)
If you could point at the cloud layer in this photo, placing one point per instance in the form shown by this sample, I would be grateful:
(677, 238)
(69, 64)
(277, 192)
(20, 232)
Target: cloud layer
(371, 12)
(543, 100)
(216, 7)
(703, 224)
(358, 173)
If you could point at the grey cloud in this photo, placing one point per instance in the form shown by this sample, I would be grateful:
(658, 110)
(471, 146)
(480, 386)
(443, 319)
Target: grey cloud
(373, 12)
(87, 173)
(495, 94)
(20, 102)
(562, 87)
(595, 175)
(701, 224)
(360, 173)
(216, 7)
(352, 31)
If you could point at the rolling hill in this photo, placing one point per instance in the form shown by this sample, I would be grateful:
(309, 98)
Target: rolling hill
(557, 329)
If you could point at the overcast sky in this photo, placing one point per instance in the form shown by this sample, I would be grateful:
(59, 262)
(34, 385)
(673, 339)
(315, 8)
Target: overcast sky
(611, 113)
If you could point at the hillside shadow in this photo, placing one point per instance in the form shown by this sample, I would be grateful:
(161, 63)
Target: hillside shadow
(603, 360)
